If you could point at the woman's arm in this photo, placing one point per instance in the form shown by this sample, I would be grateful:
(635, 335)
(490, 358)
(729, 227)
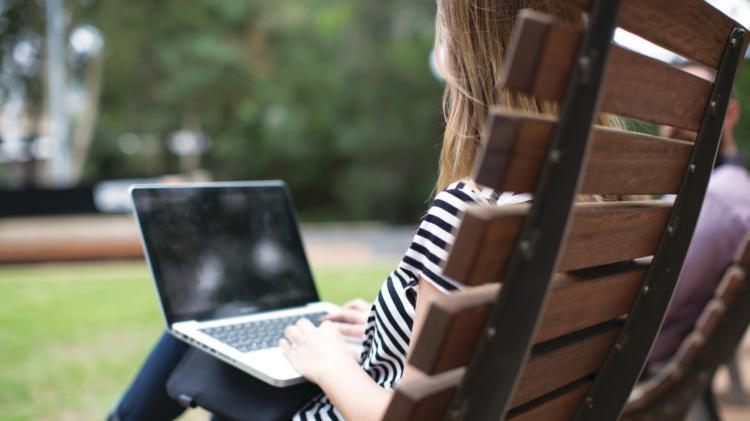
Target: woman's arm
(322, 356)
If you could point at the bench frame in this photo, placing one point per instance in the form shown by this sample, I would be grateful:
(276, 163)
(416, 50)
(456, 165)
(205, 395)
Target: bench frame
(495, 366)
(622, 368)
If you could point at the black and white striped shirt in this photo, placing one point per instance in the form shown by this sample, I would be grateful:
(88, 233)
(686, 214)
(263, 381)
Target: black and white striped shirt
(389, 325)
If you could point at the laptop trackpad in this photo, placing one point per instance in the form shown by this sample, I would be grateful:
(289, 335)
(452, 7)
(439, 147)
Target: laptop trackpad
(273, 362)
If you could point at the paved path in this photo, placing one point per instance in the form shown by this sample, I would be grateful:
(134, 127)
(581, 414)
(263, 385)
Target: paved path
(345, 244)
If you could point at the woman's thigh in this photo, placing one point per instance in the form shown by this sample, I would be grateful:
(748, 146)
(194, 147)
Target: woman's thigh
(230, 393)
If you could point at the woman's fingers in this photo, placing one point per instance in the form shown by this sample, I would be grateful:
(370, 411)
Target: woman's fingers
(347, 315)
(358, 304)
(304, 325)
(354, 312)
(354, 331)
(293, 333)
(332, 317)
(285, 345)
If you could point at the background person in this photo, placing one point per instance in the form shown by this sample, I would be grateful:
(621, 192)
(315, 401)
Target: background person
(723, 223)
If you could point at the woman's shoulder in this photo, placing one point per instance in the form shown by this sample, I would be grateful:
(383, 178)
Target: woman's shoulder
(436, 233)
(464, 193)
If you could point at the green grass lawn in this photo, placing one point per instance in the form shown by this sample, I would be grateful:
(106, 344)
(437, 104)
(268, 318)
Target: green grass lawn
(71, 336)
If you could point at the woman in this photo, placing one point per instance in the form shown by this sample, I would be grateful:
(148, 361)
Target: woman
(471, 42)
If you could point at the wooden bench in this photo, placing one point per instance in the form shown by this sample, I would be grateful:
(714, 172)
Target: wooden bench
(718, 332)
(70, 238)
(561, 309)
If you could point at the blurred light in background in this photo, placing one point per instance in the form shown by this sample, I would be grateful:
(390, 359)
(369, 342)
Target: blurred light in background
(86, 41)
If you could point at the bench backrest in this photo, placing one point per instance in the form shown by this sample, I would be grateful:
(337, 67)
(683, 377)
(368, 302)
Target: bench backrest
(558, 318)
(718, 332)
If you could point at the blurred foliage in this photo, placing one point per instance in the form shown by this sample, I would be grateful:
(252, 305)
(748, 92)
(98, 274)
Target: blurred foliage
(333, 96)
(21, 25)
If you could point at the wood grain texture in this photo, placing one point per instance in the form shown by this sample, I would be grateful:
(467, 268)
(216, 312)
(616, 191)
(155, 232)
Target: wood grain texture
(634, 86)
(531, 55)
(647, 89)
(578, 300)
(452, 329)
(558, 406)
(620, 162)
(555, 364)
(691, 28)
(455, 322)
(481, 251)
(601, 233)
(425, 397)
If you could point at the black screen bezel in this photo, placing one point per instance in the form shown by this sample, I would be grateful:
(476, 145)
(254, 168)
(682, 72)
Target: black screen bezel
(153, 261)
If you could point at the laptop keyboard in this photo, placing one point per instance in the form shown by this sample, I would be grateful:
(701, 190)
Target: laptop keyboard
(259, 334)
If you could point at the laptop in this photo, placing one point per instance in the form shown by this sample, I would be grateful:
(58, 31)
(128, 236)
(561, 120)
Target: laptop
(230, 269)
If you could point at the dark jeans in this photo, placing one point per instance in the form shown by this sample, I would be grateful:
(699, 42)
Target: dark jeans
(146, 398)
(229, 392)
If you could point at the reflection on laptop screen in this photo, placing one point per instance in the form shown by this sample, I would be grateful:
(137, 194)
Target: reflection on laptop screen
(222, 251)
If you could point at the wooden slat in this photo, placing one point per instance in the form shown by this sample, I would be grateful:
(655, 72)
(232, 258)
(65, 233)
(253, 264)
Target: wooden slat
(689, 349)
(733, 283)
(743, 254)
(484, 243)
(551, 366)
(528, 60)
(634, 86)
(71, 251)
(604, 233)
(601, 233)
(424, 398)
(453, 326)
(559, 406)
(710, 318)
(647, 89)
(455, 321)
(653, 390)
(691, 28)
(555, 364)
(582, 299)
(620, 162)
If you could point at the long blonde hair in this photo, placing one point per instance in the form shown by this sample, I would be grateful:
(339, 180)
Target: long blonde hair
(472, 37)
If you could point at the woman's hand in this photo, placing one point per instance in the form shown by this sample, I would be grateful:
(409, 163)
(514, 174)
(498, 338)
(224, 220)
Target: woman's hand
(352, 319)
(316, 351)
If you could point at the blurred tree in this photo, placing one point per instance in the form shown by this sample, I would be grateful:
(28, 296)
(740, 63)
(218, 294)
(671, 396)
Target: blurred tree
(333, 96)
(21, 86)
(21, 36)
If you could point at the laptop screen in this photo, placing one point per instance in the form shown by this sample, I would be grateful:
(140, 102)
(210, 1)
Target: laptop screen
(224, 249)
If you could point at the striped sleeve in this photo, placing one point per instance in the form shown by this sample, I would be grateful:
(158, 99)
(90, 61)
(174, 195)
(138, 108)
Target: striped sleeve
(434, 237)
